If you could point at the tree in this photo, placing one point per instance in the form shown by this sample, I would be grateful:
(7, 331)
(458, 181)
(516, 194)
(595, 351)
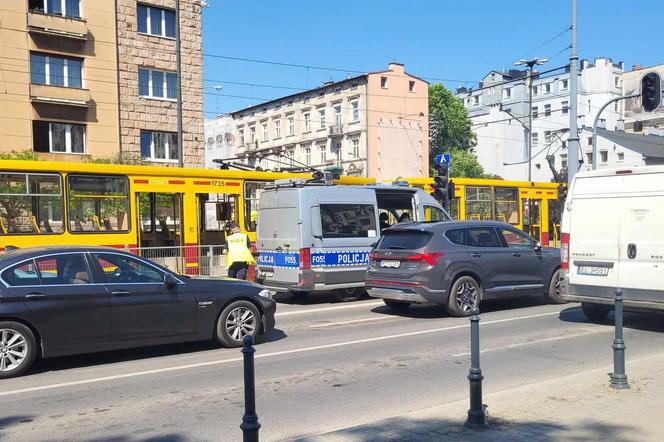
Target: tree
(128, 159)
(449, 126)
(25, 155)
(464, 164)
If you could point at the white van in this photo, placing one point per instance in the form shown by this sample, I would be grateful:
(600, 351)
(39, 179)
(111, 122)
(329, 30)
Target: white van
(613, 237)
(317, 237)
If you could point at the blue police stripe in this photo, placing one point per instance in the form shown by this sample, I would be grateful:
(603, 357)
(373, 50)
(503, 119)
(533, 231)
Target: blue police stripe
(278, 259)
(334, 258)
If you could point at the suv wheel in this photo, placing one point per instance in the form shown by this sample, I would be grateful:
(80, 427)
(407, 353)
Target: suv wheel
(464, 295)
(18, 349)
(595, 312)
(396, 306)
(349, 294)
(554, 288)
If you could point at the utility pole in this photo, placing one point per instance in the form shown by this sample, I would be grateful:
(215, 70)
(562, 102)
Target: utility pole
(573, 140)
(178, 82)
(529, 150)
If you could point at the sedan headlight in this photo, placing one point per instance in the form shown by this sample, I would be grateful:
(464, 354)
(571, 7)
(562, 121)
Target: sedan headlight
(265, 293)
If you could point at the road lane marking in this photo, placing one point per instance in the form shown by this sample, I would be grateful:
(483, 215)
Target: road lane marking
(354, 321)
(264, 355)
(538, 341)
(327, 309)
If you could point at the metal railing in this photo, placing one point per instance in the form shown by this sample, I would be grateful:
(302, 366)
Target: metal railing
(187, 260)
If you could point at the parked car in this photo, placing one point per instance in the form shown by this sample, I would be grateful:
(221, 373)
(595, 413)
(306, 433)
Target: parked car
(611, 238)
(57, 301)
(457, 264)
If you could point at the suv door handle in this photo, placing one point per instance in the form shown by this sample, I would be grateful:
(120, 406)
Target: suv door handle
(35, 295)
(120, 293)
(476, 255)
(516, 254)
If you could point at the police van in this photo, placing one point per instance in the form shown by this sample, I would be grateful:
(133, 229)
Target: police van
(316, 237)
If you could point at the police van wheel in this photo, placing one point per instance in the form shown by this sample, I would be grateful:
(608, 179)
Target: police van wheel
(349, 294)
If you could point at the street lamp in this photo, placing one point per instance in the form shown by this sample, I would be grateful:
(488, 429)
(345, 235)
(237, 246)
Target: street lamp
(218, 88)
(530, 64)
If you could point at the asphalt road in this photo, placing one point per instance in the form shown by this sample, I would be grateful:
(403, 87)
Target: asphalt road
(328, 366)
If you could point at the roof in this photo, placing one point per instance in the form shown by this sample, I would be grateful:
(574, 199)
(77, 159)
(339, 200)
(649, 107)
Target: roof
(430, 226)
(648, 145)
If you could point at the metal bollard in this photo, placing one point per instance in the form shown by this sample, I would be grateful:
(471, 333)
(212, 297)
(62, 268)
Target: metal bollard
(476, 413)
(618, 377)
(250, 425)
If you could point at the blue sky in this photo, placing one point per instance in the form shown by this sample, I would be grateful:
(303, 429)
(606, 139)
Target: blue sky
(446, 39)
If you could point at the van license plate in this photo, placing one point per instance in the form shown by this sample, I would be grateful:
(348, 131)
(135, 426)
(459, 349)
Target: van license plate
(267, 273)
(593, 271)
(390, 263)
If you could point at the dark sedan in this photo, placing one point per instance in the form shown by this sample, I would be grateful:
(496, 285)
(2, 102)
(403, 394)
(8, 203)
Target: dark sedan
(57, 301)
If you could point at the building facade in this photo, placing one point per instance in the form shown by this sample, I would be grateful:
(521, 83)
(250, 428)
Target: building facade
(219, 140)
(374, 125)
(636, 119)
(499, 112)
(73, 79)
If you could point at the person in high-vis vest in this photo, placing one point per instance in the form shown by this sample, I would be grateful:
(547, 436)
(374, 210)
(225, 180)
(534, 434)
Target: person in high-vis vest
(238, 253)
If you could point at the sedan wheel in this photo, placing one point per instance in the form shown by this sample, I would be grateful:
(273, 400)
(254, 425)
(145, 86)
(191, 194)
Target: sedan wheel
(239, 319)
(464, 295)
(554, 288)
(17, 349)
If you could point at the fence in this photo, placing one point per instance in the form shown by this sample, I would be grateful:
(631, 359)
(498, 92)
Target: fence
(188, 260)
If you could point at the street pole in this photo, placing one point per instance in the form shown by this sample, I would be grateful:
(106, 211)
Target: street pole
(178, 82)
(618, 377)
(601, 109)
(476, 413)
(250, 424)
(530, 122)
(573, 140)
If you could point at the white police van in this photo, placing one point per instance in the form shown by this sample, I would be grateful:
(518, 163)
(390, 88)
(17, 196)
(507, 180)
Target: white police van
(315, 237)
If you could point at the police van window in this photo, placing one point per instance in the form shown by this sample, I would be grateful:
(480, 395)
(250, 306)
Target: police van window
(30, 204)
(252, 193)
(348, 220)
(396, 205)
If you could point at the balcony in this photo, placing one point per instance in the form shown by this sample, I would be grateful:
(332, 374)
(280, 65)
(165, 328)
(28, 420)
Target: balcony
(57, 25)
(42, 93)
(251, 146)
(336, 130)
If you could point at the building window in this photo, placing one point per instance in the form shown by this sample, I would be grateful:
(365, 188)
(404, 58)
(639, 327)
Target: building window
(535, 89)
(307, 121)
(535, 112)
(507, 92)
(241, 133)
(589, 157)
(411, 86)
(264, 131)
(337, 152)
(563, 161)
(291, 125)
(603, 156)
(547, 110)
(157, 84)
(159, 146)
(56, 71)
(564, 84)
(535, 139)
(277, 129)
(565, 107)
(337, 90)
(355, 145)
(355, 108)
(321, 152)
(616, 81)
(476, 100)
(252, 134)
(590, 141)
(383, 82)
(306, 99)
(547, 88)
(156, 21)
(58, 137)
(321, 116)
(621, 156)
(66, 8)
(307, 156)
(547, 137)
(337, 115)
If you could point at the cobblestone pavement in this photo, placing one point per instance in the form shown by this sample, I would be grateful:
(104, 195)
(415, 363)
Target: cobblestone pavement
(580, 408)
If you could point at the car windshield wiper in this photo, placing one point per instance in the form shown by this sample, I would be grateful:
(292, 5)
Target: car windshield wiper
(396, 248)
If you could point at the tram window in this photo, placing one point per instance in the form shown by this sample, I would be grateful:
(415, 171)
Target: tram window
(30, 204)
(252, 193)
(220, 211)
(433, 214)
(98, 203)
(454, 208)
(506, 204)
(478, 203)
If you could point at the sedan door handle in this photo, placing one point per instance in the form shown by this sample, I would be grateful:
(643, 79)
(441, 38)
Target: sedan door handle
(476, 255)
(35, 295)
(120, 293)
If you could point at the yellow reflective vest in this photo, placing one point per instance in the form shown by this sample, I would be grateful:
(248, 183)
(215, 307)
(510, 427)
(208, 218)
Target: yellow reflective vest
(238, 250)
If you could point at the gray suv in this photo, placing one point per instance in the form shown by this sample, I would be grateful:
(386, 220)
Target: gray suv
(457, 264)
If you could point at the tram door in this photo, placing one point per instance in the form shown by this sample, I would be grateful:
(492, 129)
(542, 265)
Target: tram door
(216, 212)
(160, 219)
(532, 217)
(555, 211)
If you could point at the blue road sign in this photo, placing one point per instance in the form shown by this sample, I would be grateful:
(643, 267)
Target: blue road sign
(442, 158)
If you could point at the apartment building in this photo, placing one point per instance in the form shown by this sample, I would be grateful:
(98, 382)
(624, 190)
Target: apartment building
(374, 125)
(73, 84)
(499, 112)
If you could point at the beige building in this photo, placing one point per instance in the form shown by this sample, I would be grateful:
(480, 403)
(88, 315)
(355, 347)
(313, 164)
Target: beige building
(374, 125)
(84, 79)
(636, 119)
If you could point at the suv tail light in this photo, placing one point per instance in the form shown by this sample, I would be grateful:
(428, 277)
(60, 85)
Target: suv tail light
(564, 251)
(429, 258)
(305, 259)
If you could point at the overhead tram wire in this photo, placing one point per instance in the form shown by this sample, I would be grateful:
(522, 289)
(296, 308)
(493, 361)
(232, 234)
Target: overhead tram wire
(566, 30)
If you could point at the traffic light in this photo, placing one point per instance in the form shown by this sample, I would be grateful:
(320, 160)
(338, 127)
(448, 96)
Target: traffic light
(562, 192)
(651, 91)
(440, 183)
(450, 191)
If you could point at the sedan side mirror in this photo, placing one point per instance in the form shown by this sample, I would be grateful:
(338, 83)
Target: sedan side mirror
(170, 281)
(537, 246)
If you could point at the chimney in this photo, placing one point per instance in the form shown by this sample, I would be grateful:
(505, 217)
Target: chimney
(637, 67)
(396, 67)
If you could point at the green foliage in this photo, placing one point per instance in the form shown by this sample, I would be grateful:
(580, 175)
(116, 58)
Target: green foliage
(449, 126)
(464, 164)
(129, 159)
(24, 155)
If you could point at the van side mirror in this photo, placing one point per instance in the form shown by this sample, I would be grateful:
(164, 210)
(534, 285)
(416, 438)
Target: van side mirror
(170, 281)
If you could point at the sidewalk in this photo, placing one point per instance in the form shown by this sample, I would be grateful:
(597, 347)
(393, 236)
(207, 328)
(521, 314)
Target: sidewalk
(579, 407)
